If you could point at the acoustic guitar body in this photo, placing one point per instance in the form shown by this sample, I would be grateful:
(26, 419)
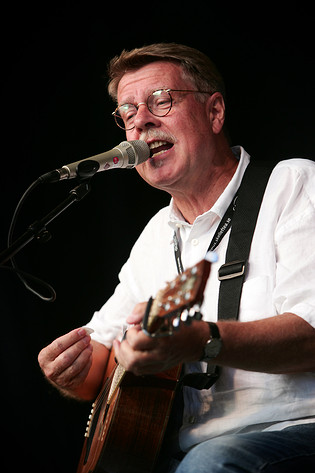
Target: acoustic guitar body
(130, 416)
(126, 434)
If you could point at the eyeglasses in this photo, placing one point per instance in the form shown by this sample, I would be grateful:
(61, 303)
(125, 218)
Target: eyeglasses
(159, 103)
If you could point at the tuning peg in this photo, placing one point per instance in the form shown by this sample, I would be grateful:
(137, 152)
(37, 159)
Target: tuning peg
(184, 315)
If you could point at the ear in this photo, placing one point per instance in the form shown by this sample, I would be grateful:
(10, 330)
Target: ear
(216, 111)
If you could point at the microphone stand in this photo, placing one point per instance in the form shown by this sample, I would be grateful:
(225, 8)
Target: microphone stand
(38, 228)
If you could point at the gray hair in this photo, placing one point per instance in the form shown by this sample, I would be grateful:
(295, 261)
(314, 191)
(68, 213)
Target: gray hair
(196, 66)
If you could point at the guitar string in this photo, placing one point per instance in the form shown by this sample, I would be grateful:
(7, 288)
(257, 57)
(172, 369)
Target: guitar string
(104, 393)
(106, 389)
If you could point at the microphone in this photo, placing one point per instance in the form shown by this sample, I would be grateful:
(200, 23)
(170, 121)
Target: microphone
(126, 155)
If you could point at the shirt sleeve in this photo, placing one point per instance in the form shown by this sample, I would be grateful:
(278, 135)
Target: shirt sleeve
(294, 237)
(140, 278)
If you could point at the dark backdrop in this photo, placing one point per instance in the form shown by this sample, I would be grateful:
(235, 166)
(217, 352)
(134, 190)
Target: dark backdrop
(55, 110)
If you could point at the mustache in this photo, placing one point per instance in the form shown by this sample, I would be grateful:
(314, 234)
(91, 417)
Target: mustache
(159, 135)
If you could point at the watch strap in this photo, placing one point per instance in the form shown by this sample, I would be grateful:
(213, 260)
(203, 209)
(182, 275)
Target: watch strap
(214, 330)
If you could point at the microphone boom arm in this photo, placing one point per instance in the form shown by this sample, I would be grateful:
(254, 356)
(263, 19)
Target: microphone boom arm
(38, 228)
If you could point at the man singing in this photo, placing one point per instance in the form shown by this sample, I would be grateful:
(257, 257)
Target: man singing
(260, 413)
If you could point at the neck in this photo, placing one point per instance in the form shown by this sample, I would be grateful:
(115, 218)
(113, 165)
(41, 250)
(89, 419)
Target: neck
(207, 189)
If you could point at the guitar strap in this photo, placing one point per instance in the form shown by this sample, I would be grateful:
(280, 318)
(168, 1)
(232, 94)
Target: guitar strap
(231, 274)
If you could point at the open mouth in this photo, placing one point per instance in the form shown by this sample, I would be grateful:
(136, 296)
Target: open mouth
(158, 147)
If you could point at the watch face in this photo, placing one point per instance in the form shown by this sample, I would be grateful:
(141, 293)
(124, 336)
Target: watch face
(212, 348)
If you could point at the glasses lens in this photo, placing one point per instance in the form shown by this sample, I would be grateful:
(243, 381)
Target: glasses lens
(124, 116)
(160, 103)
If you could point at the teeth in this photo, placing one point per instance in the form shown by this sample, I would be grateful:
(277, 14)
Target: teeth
(156, 144)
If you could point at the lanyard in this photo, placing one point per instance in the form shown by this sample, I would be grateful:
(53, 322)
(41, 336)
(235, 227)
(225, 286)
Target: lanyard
(206, 380)
(222, 229)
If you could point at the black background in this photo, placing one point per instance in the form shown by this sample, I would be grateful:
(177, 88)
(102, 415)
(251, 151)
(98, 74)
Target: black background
(55, 110)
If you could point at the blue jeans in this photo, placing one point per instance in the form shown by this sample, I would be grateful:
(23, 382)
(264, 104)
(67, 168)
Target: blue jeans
(285, 451)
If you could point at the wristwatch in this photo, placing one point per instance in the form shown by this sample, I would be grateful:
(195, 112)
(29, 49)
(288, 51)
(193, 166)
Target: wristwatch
(213, 346)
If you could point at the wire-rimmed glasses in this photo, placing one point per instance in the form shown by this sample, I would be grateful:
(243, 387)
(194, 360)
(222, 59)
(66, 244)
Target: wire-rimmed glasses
(159, 103)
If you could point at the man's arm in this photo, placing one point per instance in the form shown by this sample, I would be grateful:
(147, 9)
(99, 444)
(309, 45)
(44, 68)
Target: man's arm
(74, 364)
(281, 344)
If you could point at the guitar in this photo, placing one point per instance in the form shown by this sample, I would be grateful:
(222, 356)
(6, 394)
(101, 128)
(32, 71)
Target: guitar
(129, 417)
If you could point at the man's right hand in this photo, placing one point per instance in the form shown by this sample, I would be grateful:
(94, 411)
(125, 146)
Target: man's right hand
(67, 360)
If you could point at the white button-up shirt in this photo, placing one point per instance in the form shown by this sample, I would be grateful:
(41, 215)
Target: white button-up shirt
(280, 278)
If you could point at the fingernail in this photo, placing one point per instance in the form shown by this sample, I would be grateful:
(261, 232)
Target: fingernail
(85, 331)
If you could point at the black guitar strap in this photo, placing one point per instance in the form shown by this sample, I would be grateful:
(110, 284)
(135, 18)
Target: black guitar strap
(232, 273)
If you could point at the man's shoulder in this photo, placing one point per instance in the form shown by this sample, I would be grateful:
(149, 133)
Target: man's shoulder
(292, 180)
(297, 164)
(294, 170)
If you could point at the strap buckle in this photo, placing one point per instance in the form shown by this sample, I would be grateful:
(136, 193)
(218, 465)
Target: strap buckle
(231, 270)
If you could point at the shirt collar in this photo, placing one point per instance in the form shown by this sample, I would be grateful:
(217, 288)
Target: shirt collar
(175, 216)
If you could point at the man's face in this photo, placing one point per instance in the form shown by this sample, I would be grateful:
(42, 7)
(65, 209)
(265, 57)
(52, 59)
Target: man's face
(183, 138)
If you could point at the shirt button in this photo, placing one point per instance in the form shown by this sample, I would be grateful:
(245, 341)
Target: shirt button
(195, 241)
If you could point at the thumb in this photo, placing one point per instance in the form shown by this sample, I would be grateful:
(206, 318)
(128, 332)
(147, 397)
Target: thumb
(137, 314)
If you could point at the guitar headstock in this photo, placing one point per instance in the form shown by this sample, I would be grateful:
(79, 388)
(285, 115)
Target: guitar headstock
(179, 301)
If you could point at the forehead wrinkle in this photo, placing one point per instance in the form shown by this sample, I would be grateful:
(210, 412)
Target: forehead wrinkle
(136, 85)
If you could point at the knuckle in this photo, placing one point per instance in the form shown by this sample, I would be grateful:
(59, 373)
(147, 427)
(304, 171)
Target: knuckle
(50, 372)
(58, 346)
(72, 371)
(82, 344)
(65, 359)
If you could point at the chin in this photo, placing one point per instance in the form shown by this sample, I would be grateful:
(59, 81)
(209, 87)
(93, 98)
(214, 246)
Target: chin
(160, 180)
(158, 171)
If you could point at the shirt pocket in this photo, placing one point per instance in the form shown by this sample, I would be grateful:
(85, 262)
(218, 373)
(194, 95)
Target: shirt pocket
(256, 300)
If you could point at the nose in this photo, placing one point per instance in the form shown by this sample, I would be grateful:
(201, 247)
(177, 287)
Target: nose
(144, 118)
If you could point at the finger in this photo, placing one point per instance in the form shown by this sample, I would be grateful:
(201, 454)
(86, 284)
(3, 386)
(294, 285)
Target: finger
(69, 356)
(75, 373)
(53, 366)
(116, 347)
(62, 343)
(124, 355)
(137, 314)
(138, 340)
(138, 362)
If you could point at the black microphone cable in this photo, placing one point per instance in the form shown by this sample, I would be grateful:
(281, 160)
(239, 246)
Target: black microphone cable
(26, 278)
